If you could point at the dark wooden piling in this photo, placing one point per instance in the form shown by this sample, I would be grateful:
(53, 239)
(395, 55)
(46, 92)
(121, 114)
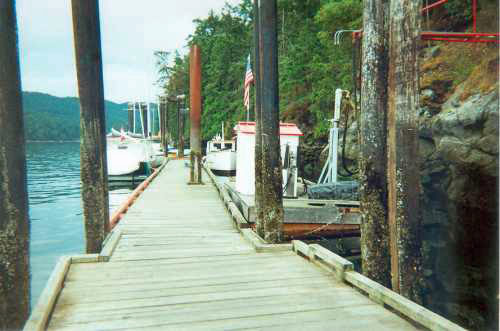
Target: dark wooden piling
(143, 106)
(195, 113)
(373, 158)
(403, 166)
(180, 125)
(164, 123)
(272, 194)
(258, 118)
(14, 222)
(94, 172)
(130, 110)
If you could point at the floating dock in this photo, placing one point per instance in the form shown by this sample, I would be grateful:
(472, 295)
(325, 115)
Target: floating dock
(306, 218)
(177, 261)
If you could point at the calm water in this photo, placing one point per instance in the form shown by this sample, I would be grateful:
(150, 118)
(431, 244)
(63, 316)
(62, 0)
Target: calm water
(55, 207)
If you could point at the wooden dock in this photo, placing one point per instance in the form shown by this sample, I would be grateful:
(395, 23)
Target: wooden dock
(177, 262)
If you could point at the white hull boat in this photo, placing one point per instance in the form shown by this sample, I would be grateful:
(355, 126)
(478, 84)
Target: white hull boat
(222, 160)
(221, 155)
(128, 156)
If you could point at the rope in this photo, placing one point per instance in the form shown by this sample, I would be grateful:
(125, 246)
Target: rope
(337, 219)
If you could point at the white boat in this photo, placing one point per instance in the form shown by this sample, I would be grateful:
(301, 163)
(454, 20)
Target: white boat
(221, 154)
(128, 156)
(159, 155)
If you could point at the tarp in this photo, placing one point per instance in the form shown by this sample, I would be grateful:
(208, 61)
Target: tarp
(348, 190)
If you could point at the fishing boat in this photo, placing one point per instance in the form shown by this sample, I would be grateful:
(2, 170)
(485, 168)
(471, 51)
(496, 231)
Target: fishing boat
(221, 155)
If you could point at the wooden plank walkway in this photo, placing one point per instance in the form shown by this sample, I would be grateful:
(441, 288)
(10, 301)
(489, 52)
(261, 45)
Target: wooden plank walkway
(181, 265)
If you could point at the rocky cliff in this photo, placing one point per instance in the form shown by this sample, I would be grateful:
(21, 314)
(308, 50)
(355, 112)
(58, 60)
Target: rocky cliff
(459, 132)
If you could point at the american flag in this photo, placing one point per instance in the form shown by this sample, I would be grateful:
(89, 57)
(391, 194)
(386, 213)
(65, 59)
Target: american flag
(248, 81)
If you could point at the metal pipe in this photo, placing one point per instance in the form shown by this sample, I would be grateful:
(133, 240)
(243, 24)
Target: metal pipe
(195, 113)
(14, 220)
(94, 170)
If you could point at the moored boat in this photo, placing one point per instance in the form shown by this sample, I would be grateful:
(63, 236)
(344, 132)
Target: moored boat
(128, 158)
(221, 155)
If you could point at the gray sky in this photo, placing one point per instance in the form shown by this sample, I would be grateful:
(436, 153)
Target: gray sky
(131, 31)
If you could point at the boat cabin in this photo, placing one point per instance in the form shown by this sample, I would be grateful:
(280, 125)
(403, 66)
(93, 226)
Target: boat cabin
(245, 157)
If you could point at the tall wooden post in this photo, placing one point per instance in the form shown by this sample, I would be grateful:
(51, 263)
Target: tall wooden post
(403, 166)
(164, 124)
(14, 222)
(180, 133)
(145, 118)
(94, 171)
(195, 113)
(272, 194)
(375, 253)
(258, 119)
(130, 110)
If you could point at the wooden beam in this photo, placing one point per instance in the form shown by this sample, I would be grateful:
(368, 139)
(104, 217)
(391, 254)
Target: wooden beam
(14, 221)
(403, 165)
(94, 171)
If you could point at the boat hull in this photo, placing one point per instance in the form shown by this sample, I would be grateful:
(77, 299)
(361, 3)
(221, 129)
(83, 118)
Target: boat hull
(223, 161)
(127, 156)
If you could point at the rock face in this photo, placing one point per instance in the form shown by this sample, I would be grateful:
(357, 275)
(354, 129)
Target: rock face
(459, 170)
(459, 199)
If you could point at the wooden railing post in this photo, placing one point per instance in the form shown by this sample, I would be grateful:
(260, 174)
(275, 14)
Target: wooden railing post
(14, 222)
(272, 194)
(195, 113)
(94, 172)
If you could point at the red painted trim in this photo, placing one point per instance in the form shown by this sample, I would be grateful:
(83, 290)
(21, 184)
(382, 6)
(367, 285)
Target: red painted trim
(119, 213)
(465, 40)
(459, 34)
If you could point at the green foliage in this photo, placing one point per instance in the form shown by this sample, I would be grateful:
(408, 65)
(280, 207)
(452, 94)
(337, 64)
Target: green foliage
(310, 66)
(47, 117)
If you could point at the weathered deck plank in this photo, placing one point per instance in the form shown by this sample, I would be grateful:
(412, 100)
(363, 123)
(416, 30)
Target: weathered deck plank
(180, 265)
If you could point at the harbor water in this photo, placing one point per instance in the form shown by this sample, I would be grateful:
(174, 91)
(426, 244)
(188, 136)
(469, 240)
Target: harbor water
(55, 207)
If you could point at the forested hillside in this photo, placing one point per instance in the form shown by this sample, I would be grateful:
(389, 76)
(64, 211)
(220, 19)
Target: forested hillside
(310, 65)
(47, 117)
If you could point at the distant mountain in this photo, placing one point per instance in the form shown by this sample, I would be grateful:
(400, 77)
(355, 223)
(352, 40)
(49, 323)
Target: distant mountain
(47, 117)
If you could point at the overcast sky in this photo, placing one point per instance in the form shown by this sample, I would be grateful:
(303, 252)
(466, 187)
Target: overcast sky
(131, 31)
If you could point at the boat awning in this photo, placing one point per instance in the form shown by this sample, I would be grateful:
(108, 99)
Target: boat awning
(286, 129)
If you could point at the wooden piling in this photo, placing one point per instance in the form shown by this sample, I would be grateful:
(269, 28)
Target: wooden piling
(164, 123)
(145, 118)
(195, 113)
(272, 194)
(373, 159)
(403, 166)
(259, 226)
(130, 110)
(180, 129)
(94, 172)
(14, 221)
